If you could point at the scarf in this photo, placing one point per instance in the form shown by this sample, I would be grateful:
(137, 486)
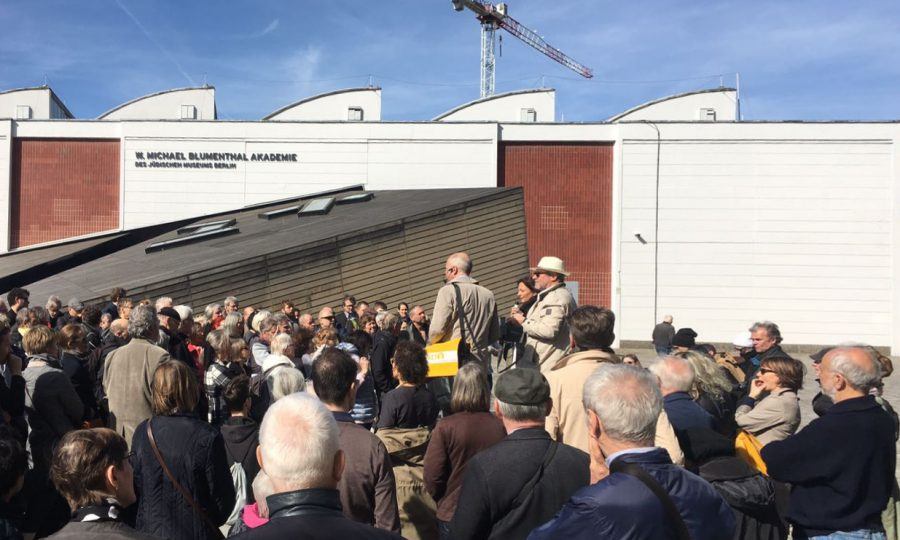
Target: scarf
(109, 510)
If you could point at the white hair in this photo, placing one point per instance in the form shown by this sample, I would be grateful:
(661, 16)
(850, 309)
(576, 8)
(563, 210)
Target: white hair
(461, 261)
(53, 301)
(210, 310)
(298, 441)
(627, 401)
(260, 316)
(163, 301)
(860, 377)
(262, 488)
(143, 323)
(280, 343)
(230, 324)
(285, 381)
(668, 319)
(230, 300)
(675, 374)
(522, 413)
(185, 312)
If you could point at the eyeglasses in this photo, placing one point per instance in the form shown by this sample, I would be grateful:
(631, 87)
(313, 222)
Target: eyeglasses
(330, 317)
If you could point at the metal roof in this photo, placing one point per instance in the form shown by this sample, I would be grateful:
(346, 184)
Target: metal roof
(668, 98)
(318, 96)
(132, 266)
(154, 94)
(491, 98)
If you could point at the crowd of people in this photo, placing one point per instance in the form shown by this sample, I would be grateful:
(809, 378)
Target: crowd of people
(149, 419)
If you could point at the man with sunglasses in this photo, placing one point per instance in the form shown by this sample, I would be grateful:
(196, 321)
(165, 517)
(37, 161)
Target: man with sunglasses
(545, 326)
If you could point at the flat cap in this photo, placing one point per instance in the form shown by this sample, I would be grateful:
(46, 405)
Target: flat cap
(522, 386)
(170, 312)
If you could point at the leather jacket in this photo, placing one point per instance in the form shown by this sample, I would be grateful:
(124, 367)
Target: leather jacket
(304, 502)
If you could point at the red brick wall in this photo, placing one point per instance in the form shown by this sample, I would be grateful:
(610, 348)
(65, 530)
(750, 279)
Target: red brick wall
(568, 208)
(63, 188)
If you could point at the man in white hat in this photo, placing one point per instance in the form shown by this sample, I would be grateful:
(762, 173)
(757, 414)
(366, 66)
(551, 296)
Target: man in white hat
(545, 325)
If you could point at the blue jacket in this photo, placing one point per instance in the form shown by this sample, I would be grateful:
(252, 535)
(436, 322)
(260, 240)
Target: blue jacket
(684, 413)
(620, 506)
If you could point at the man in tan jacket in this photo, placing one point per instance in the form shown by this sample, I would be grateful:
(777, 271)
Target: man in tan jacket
(128, 373)
(545, 327)
(478, 306)
(591, 336)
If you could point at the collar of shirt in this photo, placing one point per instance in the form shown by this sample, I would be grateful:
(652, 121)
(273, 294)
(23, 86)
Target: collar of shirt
(616, 455)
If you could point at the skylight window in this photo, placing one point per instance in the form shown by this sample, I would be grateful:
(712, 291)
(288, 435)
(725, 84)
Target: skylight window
(317, 207)
(191, 238)
(356, 197)
(271, 214)
(207, 227)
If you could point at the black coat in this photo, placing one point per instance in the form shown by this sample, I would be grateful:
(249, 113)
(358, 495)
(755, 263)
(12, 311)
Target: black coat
(311, 514)
(77, 370)
(344, 324)
(241, 435)
(495, 478)
(195, 453)
(841, 467)
(380, 357)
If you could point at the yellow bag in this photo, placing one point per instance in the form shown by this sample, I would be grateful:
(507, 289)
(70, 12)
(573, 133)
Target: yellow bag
(443, 358)
(747, 447)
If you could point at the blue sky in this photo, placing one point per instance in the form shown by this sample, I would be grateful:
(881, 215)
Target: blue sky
(803, 59)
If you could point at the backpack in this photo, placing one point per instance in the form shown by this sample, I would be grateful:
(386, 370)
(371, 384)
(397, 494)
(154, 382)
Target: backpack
(239, 478)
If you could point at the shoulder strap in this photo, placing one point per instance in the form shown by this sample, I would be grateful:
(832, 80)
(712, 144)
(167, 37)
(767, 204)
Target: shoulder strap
(675, 519)
(195, 506)
(461, 315)
(538, 475)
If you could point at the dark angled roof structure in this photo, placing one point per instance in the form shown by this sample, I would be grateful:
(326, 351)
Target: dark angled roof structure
(391, 247)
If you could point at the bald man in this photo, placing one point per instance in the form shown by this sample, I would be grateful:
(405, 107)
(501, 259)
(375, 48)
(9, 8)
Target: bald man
(482, 327)
(840, 466)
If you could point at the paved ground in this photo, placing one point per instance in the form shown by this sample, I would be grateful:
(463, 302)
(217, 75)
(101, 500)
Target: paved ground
(810, 387)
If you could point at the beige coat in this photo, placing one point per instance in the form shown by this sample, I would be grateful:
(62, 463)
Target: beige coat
(480, 309)
(127, 379)
(418, 511)
(546, 329)
(774, 418)
(567, 421)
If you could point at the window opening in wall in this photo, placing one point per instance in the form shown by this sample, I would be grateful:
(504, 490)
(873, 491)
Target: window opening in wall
(188, 112)
(708, 115)
(355, 114)
(529, 115)
(317, 207)
(23, 112)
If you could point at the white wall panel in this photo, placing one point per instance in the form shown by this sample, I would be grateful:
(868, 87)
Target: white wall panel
(799, 232)
(5, 179)
(431, 164)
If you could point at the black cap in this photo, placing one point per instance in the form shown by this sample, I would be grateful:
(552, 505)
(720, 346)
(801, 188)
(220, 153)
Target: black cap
(684, 337)
(170, 312)
(819, 355)
(523, 386)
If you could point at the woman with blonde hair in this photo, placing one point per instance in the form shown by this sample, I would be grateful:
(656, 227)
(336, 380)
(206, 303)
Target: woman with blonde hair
(712, 390)
(181, 473)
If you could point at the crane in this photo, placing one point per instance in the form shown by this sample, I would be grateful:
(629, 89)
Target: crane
(493, 17)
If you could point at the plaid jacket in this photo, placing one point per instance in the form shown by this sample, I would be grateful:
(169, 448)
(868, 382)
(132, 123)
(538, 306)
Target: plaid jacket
(217, 376)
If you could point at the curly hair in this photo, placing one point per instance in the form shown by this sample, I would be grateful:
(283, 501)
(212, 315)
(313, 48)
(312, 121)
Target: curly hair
(411, 362)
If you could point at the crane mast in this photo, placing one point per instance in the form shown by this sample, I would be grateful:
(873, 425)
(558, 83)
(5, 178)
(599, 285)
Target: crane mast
(493, 17)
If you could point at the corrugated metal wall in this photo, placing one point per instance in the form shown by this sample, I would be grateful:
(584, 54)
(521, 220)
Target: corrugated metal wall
(403, 261)
(63, 188)
(568, 204)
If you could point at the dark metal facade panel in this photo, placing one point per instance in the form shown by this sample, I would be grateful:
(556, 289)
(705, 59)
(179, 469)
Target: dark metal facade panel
(568, 207)
(63, 188)
(400, 260)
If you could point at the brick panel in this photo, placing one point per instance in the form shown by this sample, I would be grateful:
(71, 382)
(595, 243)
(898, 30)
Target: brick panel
(63, 188)
(568, 208)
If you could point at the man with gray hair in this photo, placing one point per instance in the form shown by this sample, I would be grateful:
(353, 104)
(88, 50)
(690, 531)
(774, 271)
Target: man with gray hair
(462, 294)
(128, 373)
(841, 466)
(663, 333)
(231, 305)
(522, 481)
(299, 450)
(268, 327)
(636, 491)
(676, 379)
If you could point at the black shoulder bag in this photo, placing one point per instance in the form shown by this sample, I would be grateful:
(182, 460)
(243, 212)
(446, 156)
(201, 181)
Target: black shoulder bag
(465, 352)
(675, 519)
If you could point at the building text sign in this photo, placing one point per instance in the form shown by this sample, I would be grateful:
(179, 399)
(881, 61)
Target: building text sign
(207, 160)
